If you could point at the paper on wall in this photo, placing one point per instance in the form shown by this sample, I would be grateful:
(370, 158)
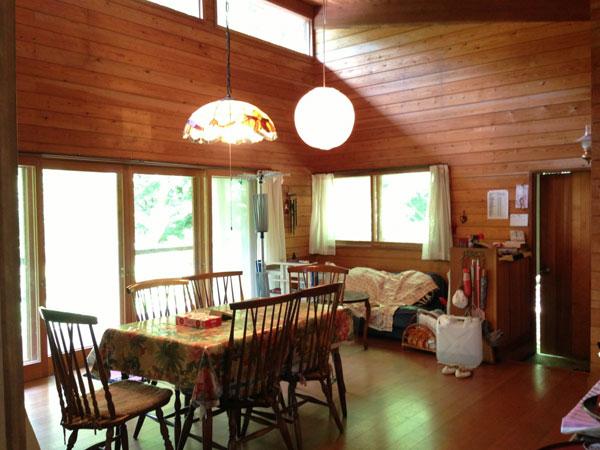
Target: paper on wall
(497, 204)
(519, 220)
(522, 196)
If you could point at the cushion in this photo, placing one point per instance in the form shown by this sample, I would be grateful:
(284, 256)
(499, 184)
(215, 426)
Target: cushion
(131, 398)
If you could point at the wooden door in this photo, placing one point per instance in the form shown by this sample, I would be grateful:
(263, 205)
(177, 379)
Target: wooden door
(564, 215)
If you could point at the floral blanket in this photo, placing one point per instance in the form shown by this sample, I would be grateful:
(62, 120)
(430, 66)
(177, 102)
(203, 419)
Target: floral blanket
(387, 292)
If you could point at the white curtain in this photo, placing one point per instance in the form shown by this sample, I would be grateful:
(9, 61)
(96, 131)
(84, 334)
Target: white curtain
(439, 234)
(322, 233)
(233, 232)
(275, 237)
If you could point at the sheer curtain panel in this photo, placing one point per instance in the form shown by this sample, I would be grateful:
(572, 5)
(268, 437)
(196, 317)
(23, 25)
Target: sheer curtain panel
(322, 232)
(275, 237)
(439, 234)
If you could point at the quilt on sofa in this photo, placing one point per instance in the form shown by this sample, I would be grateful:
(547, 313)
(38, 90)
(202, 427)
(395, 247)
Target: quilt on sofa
(388, 292)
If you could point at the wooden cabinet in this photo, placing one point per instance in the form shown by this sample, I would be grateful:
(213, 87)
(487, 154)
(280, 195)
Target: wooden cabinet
(510, 298)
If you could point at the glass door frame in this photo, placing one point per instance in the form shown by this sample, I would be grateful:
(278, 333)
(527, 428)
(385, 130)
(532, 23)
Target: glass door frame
(220, 173)
(43, 367)
(126, 230)
(39, 366)
(210, 174)
(199, 213)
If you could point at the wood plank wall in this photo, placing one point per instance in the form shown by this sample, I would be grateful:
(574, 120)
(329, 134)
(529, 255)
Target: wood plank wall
(494, 101)
(298, 183)
(595, 225)
(118, 79)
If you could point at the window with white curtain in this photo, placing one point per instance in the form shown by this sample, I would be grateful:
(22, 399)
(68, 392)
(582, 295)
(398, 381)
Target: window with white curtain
(399, 200)
(352, 208)
(403, 200)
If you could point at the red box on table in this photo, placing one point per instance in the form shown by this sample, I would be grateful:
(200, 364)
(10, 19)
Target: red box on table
(197, 319)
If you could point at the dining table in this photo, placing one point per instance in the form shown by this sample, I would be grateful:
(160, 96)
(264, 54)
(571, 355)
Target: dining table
(189, 358)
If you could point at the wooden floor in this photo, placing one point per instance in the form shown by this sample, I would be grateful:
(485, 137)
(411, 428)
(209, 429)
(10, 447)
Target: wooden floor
(396, 400)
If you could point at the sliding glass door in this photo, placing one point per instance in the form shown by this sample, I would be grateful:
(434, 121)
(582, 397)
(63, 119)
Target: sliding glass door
(82, 244)
(87, 230)
(233, 236)
(28, 266)
(164, 226)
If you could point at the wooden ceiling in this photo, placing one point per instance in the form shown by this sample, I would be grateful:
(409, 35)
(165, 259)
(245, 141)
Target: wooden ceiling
(349, 13)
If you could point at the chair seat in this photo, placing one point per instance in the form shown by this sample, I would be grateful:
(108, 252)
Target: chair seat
(131, 398)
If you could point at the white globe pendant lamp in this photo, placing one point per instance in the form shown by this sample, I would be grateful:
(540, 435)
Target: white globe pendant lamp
(324, 117)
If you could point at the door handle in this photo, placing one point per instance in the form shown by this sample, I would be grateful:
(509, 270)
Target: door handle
(544, 270)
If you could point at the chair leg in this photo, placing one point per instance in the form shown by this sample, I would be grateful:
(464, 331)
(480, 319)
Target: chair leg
(109, 436)
(117, 439)
(207, 430)
(339, 376)
(138, 426)
(283, 429)
(293, 408)
(327, 390)
(232, 416)
(163, 429)
(366, 326)
(72, 440)
(187, 425)
(246, 424)
(124, 437)
(177, 415)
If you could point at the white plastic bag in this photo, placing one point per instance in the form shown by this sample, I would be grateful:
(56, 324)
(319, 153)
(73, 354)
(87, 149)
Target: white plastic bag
(459, 341)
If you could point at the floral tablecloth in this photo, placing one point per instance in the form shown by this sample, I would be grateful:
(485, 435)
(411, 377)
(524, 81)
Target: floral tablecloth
(189, 358)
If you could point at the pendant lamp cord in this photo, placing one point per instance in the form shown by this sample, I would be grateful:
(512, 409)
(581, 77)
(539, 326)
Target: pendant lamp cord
(324, 26)
(228, 82)
(230, 193)
(228, 50)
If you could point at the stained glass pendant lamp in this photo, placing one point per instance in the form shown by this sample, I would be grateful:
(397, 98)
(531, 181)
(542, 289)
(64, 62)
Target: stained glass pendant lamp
(324, 117)
(228, 120)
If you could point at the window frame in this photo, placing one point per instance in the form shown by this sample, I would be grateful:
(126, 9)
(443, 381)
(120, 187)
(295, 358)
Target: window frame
(30, 232)
(201, 5)
(376, 189)
(311, 24)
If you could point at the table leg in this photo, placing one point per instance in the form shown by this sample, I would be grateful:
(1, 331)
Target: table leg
(366, 326)
(187, 425)
(207, 430)
(339, 375)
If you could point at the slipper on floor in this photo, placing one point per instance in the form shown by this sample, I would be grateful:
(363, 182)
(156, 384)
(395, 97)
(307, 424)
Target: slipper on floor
(462, 373)
(449, 370)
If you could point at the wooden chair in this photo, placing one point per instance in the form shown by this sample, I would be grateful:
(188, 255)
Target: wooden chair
(319, 274)
(311, 275)
(84, 407)
(312, 346)
(157, 298)
(161, 297)
(217, 288)
(259, 342)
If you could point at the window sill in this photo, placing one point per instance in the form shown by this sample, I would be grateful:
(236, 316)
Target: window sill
(379, 245)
